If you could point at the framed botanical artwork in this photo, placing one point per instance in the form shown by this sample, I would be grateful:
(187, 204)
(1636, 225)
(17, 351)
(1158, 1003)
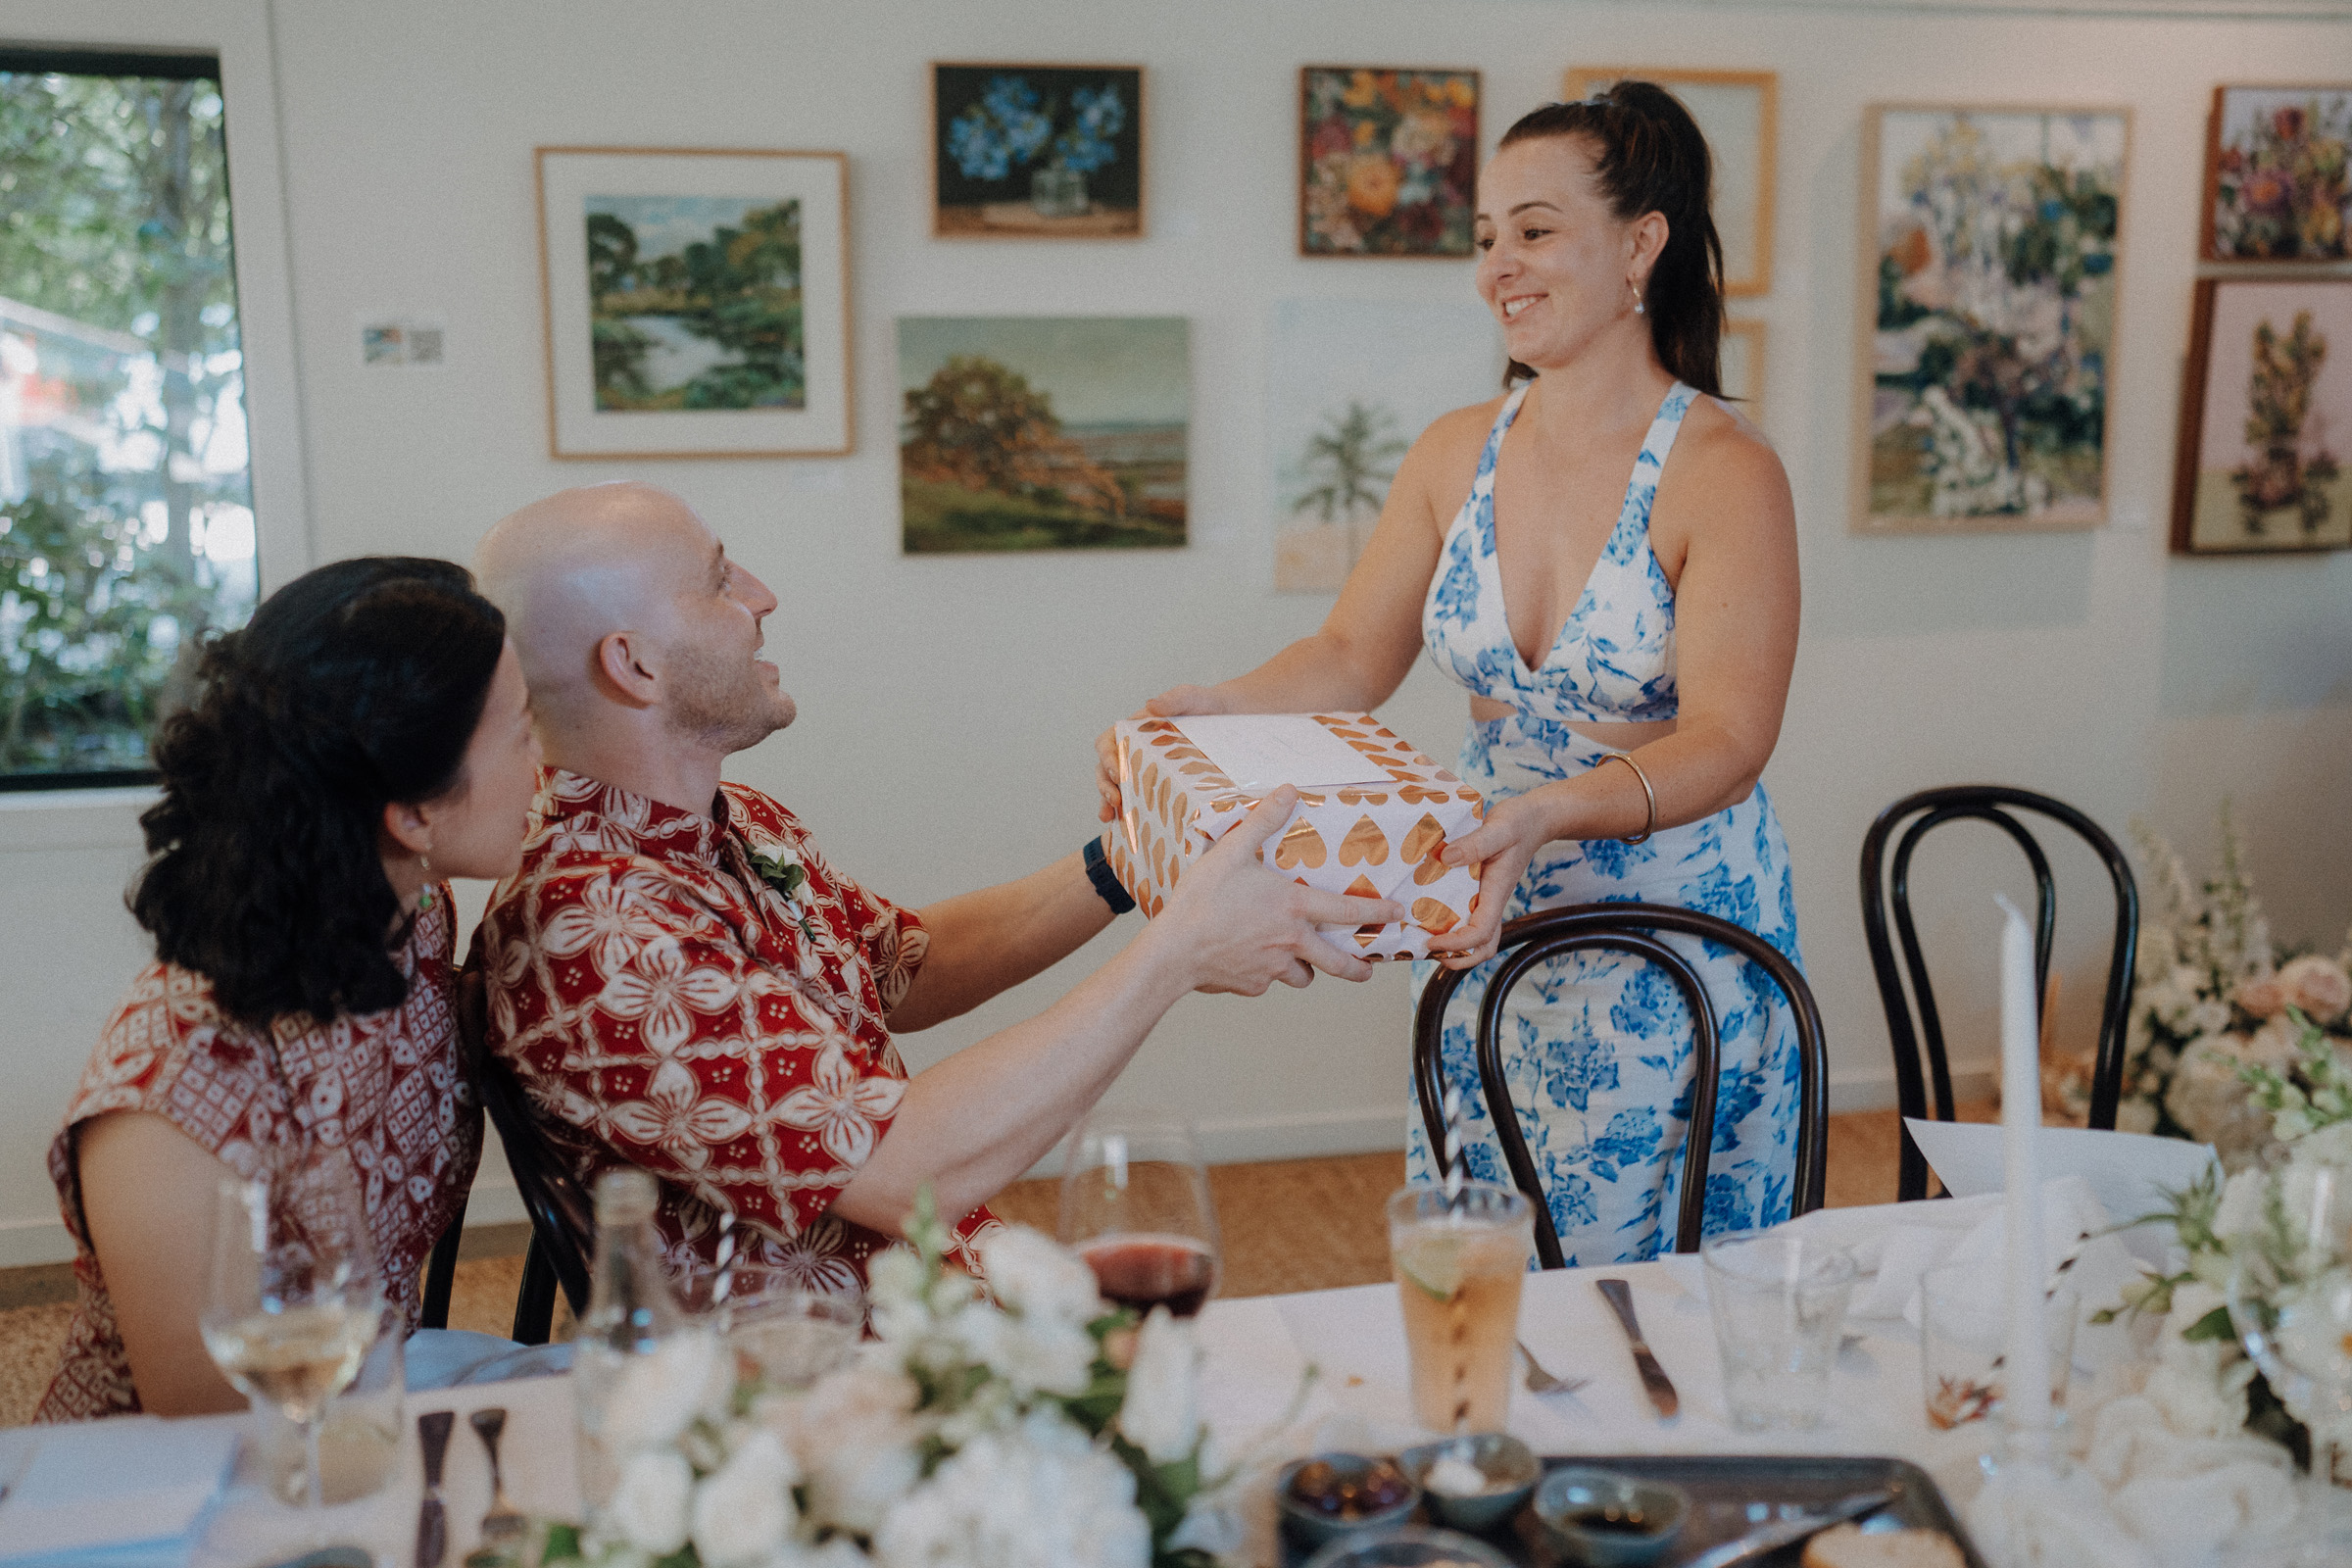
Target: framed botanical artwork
(1741, 350)
(1986, 330)
(1041, 432)
(1349, 384)
(2277, 183)
(2265, 415)
(1738, 113)
(696, 300)
(1388, 161)
(1037, 152)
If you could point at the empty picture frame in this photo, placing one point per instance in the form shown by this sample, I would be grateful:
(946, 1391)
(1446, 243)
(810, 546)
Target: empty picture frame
(2260, 468)
(1738, 113)
(695, 302)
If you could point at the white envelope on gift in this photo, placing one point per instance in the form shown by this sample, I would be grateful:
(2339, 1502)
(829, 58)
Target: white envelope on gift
(2133, 1173)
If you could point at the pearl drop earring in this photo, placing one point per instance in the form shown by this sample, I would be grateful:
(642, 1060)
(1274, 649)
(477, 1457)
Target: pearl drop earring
(426, 898)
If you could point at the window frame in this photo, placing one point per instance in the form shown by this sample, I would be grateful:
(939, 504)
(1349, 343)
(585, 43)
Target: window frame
(226, 41)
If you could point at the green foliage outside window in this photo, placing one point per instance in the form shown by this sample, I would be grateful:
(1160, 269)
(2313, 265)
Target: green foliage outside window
(125, 511)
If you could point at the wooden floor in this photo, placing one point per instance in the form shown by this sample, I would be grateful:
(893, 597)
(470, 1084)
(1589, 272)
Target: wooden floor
(1288, 1225)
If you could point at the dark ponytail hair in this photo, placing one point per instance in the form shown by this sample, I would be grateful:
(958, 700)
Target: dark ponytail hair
(1649, 156)
(354, 686)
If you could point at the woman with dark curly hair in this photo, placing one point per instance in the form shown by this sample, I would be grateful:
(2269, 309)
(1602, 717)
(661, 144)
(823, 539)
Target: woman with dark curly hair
(365, 736)
(1606, 559)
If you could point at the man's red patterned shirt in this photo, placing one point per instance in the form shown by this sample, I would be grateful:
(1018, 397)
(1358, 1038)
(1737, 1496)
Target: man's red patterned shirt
(667, 1002)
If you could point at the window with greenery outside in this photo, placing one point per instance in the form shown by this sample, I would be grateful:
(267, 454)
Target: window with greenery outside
(127, 525)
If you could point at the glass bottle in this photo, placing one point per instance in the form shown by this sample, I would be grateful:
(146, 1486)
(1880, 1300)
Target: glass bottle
(631, 1310)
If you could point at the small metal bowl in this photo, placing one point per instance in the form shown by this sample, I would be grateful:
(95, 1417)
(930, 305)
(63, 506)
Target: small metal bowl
(1655, 1510)
(1510, 1467)
(1311, 1527)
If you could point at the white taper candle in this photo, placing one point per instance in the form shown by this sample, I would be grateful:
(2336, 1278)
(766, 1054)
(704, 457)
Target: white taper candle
(2026, 1391)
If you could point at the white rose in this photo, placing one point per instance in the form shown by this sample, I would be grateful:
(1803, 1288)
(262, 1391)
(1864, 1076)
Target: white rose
(838, 1553)
(1041, 1355)
(1160, 1414)
(1038, 1497)
(893, 1277)
(657, 1395)
(745, 1512)
(2319, 985)
(856, 1436)
(862, 1480)
(1034, 1278)
(649, 1506)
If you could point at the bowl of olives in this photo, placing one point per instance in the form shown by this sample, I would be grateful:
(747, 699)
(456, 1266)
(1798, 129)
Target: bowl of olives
(1332, 1495)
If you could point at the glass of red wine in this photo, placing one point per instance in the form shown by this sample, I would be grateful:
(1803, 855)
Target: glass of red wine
(1135, 1204)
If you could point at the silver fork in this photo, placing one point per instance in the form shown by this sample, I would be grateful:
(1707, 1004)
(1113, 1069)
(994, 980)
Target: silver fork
(1540, 1381)
(504, 1525)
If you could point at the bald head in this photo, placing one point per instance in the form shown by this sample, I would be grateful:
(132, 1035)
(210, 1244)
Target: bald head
(634, 629)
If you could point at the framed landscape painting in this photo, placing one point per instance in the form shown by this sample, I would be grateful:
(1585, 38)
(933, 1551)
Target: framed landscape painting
(1349, 385)
(1036, 432)
(697, 303)
(1985, 316)
(1738, 113)
(2277, 187)
(1037, 152)
(2265, 418)
(1388, 161)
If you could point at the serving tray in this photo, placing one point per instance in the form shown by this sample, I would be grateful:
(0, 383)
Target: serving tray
(1730, 1495)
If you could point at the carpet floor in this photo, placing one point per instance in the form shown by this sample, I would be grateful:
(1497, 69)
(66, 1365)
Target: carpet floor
(1288, 1225)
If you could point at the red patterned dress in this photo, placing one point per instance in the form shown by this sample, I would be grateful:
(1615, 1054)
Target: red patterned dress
(704, 998)
(384, 1090)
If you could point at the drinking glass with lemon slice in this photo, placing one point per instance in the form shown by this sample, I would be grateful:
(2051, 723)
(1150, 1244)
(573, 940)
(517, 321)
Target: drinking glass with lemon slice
(1460, 1264)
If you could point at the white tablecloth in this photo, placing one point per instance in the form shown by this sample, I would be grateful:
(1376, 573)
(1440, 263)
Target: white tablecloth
(1258, 1348)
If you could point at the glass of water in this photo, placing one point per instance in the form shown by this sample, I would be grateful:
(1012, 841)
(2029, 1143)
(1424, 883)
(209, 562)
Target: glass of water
(1778, 1303)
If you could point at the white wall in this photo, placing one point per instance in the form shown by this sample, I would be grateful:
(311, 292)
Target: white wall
(948, 704)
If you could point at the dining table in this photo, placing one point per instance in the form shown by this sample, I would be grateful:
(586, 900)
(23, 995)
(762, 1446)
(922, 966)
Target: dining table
(1259, 1351)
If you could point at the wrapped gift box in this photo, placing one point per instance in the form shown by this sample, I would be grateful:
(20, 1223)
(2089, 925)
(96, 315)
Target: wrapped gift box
(1372, 813)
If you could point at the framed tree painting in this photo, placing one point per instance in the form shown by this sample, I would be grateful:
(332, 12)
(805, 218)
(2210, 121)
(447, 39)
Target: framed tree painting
(1986, 330)
(2265, 415)
(2278, 186)
(1042, 432)
(695, 302)
(1738, 113)
(1037, 152)
(1388, 161)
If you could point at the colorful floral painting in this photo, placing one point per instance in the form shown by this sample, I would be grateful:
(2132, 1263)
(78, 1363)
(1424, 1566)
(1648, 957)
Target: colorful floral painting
(2278, 181)
(1389, 161)
(1989, 305)
(1045, 151)
(2262, 457)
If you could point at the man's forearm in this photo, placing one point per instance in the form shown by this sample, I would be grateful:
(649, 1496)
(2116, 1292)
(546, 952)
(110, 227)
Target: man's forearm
(986, 1114)
(990, 941)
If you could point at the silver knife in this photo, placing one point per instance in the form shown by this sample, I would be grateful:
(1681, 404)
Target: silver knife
(1768, 1537)
(1654, 1381)
(432, 1517)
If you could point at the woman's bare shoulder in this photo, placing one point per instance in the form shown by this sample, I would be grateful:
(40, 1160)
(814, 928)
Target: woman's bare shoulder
(1720, 445)
(1451, 445)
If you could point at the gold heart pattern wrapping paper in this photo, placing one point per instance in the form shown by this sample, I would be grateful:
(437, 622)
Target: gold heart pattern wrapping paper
(1371, 839)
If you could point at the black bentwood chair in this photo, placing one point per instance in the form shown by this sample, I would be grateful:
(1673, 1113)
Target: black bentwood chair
(1983, 803)
(562, 1219)
(441, 1273)
(1532, 939)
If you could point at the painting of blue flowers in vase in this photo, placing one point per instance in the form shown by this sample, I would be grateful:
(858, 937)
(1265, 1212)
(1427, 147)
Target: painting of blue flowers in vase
(1043, 152)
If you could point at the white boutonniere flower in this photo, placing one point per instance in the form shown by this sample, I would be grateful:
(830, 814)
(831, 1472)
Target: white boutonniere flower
(789, 877)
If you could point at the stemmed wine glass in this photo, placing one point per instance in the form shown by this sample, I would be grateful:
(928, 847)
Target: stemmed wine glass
(294, 1301)
(1135, 1204)
(2291, 1301)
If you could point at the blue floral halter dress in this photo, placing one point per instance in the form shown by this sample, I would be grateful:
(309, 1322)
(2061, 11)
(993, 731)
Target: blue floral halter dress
(1597, 1046)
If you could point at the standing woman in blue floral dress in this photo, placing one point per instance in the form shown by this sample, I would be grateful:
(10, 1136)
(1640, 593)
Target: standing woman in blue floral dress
(1606, 558)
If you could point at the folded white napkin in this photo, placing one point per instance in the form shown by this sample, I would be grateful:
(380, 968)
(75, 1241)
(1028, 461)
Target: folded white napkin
(126, 1493)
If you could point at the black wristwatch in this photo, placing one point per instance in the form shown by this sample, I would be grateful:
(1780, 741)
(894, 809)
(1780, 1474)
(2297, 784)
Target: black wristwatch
(1105, 880)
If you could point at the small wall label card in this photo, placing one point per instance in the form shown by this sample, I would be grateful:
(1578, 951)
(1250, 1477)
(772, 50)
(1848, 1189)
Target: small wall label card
(1990, 243)
(1037, 152)
(2278, 183)
(2265, 418)
(697, 302)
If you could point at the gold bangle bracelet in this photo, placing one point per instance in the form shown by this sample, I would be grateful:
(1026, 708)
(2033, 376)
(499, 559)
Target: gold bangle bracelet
(1647, 794)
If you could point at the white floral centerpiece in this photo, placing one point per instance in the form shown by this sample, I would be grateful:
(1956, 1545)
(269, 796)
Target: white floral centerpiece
(2210, 998)
(1042, 1428)
(2202, 1378)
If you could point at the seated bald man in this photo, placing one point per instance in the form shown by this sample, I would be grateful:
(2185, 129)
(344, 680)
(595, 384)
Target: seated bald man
(683, 983)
